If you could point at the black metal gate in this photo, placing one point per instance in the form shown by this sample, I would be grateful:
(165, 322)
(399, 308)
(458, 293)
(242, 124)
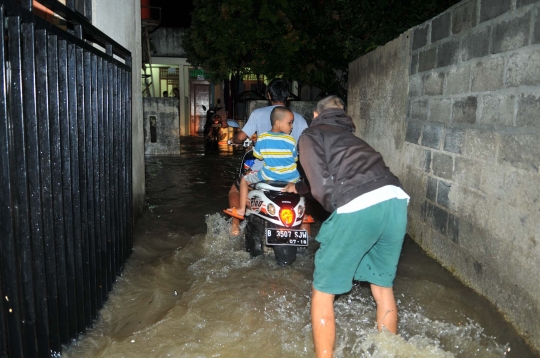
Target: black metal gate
(65, 175)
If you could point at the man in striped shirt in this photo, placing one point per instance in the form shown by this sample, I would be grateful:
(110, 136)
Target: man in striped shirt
(278, 151)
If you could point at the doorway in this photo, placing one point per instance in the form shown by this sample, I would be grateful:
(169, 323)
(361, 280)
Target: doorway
(199, 97)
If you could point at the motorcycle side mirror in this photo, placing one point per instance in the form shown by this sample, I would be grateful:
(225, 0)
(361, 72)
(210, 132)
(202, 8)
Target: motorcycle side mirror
(204, 107)
(233, 123)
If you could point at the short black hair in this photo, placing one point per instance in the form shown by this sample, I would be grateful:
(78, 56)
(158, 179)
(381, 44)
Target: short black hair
(279, 90)
(278, 114)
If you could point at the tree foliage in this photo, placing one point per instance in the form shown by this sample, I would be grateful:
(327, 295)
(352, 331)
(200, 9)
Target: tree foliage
(311, 41)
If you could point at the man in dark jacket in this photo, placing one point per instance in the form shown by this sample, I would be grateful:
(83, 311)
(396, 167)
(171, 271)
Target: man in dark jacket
(362, 239)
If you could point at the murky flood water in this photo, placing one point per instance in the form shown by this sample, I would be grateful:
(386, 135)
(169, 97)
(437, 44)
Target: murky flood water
(190, 290)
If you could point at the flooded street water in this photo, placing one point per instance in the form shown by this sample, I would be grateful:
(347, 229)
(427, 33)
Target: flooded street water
(190, 290)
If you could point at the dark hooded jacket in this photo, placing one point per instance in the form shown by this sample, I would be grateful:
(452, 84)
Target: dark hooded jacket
(340, 166)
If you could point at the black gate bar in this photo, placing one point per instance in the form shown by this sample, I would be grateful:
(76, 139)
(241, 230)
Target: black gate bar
(65, 176)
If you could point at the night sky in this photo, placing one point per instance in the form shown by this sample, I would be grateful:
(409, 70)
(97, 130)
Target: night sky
(174, 13)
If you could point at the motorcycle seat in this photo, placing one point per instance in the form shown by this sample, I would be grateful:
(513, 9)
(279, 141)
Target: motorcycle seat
(271, 185)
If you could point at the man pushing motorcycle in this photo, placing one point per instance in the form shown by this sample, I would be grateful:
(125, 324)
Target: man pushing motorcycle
(362, 238)
(259, 121)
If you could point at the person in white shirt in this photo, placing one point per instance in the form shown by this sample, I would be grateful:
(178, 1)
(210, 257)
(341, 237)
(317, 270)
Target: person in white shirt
(259, 122)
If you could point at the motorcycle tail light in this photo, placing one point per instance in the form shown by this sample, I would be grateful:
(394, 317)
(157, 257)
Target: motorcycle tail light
(286, 215)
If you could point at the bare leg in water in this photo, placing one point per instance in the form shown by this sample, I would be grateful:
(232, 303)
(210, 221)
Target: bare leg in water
(234, 202)
(324, 324)
(387, 313)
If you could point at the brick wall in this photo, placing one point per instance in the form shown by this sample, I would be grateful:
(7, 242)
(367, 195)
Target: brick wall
(454, 106)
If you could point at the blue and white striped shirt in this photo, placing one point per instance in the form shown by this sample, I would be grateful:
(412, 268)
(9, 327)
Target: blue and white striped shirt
(278, 150)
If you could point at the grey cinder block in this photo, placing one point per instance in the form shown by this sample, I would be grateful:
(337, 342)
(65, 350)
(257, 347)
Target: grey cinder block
(431, 192)
(440, 110)
(453, 140)
(440, 27)
(468, 172)
(458, 80)
(439, 219)
(464, 16)
(426, 210)
(433, 83)
(520, 151)
(416, 87)
(536, 31)
(481, 144)
(487, 75)
(427, 161)
(426, 59)
(453, 228)
(443, 189)
(511, 34)
(464, 110)
(412, 134)
(419, 110)
(442, 165)
(523, 69)
(528, 113)
(490, 9)
(420, 35)
(521, 3)
(476, 45)
(435, 216)
(498, 109)
(448, 53)
(414, 65)
(431, 136)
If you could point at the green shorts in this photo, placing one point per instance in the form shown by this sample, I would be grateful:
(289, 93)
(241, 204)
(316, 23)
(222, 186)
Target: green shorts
(363, 245)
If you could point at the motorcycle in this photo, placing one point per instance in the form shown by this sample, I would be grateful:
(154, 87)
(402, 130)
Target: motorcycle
(212, 128)
(274, 219)
(214, 132)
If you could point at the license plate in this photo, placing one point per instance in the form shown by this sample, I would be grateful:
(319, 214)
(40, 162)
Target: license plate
(286, 237)
(216, 125)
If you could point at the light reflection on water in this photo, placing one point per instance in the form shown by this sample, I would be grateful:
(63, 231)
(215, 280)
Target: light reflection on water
(190, 290)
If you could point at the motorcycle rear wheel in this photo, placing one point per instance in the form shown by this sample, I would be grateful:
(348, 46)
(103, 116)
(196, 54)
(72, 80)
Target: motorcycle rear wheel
(285, 255)
(255, 239)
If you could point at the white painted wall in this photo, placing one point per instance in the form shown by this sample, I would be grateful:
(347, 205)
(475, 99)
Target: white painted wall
(121, 20)
(183, 80)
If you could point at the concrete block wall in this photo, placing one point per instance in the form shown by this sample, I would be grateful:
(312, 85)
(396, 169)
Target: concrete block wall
(167, 42)
(165, 111)
(454, 106)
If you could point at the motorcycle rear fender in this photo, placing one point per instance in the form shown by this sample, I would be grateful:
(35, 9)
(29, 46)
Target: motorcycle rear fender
(258, 201)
